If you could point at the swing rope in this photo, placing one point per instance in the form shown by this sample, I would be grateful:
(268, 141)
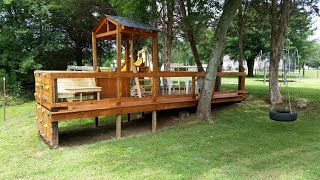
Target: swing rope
(288, 101)
(287, 114)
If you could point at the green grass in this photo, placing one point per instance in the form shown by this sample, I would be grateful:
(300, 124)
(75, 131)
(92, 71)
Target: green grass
(242, 144)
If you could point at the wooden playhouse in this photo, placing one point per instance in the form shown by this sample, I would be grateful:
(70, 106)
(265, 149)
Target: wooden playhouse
(68, 95)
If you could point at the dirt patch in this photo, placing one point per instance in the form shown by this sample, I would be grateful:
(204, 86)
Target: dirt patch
(137, 126)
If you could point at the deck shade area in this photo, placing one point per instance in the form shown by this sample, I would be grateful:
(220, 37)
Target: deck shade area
(133, 86)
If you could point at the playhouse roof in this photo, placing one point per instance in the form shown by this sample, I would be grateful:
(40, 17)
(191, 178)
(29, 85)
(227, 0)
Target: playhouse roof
(132, 23)
(109, 26)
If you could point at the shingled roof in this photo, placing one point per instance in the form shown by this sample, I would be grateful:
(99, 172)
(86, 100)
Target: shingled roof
(108, 26)
(132, 23)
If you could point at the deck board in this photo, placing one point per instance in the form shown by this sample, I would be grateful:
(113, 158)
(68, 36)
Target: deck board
(133, 106)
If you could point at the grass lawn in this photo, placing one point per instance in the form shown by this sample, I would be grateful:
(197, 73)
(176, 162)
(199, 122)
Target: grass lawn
(242, 144)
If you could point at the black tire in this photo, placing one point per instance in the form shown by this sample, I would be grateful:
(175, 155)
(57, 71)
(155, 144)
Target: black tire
(283, 115)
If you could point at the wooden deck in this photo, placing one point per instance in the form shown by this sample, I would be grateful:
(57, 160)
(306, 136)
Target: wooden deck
(114, 97)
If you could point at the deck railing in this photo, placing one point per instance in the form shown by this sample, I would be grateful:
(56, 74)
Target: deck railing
(65, 89)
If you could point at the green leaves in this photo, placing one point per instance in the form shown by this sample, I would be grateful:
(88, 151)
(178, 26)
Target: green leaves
(28, 65)
(47, 34)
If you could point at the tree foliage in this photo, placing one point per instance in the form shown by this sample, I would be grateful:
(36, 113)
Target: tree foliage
(48, 34)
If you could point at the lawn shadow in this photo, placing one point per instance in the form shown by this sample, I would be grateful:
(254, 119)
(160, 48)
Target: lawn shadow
(107, 130)
(89, 134)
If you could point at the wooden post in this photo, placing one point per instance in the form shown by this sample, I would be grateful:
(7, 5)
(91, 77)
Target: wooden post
(4, 99)
(96, 122)
(241, 69)
(118, 126)
(243, 79)
(155, 52)
(119, 87)
(154, 121)
(55, 90)
(193, 86)
(146, 58)
(118, 56)
(127, 55)
(118, 49)
(55, 135)
(134, 69)
(129, 117)
(155, 63)
(94, 52)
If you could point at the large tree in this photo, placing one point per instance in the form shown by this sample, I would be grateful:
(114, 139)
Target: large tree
(280, 15)
(167, 25)
(47, 34)
(204, 106)
(250, 34)
(187, 23)
(75, 19)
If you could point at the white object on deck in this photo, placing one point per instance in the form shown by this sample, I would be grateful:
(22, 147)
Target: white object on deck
(69, 87)
(172, 85)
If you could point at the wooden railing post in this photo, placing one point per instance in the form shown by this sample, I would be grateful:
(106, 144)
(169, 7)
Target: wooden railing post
(243, 79)
(119, 79)
(241, 69)
(94, 52)
(155, 64)
(193, 87)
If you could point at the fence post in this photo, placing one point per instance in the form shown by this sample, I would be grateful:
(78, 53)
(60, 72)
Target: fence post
(318, 72)
(4, 99)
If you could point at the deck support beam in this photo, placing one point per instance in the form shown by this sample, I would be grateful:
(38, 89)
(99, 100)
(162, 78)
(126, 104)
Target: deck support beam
(129, 117)
(96, 122)
(154, 121)
(55, 135)
(118, 126)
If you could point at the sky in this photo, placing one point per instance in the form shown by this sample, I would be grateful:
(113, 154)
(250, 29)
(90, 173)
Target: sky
(316, 25)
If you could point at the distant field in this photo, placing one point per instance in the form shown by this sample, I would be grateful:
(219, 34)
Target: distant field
(311, 74)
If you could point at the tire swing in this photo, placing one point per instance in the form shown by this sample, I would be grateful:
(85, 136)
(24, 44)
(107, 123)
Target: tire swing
(284, 115)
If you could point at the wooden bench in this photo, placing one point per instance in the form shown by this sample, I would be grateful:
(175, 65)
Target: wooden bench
(69, 87)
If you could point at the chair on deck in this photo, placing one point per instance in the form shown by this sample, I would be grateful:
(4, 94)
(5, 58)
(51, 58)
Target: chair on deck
(172, 84)
(188, 84)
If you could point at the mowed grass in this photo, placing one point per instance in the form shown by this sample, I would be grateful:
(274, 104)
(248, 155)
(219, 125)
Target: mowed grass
(242, 144)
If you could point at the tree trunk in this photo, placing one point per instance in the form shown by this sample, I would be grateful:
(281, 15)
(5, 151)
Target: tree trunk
(189, 33)
(240, 34)
(168, 35)
(278, 31)
(204, 105)
(250, 64)
(217, 84)
(275, 95)
(241, 39)
(194, 50)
